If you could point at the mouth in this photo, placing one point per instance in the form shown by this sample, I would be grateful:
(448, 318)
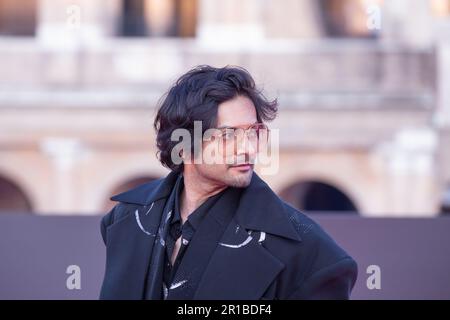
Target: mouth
(243, 167)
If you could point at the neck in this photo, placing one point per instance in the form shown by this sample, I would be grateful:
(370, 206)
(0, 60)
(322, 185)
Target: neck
(197, 190)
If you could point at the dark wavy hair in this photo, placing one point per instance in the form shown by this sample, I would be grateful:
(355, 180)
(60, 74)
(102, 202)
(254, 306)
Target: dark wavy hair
(196, 95)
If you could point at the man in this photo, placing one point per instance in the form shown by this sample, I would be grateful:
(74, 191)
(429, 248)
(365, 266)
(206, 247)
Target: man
(214, 229)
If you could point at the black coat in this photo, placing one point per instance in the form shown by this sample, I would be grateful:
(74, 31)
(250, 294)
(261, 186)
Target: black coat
(295, 259)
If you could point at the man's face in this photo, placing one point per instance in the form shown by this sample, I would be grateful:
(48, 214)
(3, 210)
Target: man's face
(238, 149)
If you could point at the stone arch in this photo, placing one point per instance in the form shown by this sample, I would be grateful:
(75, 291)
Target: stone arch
(318, 195)
(13, 198)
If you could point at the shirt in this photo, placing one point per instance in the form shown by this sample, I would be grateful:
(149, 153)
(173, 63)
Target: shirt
(186, 230)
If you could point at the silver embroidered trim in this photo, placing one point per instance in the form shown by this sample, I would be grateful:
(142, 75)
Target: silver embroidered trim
(160, 230)
(165, 291)
(168, 216)
(240, 245)
(262, 237)
(177, 284)
(138, 220)
(151, 206)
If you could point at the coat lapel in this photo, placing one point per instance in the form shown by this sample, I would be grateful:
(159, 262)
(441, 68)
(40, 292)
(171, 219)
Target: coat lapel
(241, 268)
(238, 270)
(203, 244)
(130, 245)
(131, 239)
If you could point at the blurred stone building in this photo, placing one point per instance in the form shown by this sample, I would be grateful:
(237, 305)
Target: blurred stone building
(363, 87)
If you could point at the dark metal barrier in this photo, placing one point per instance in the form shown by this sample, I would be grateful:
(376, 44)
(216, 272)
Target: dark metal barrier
(413, 256)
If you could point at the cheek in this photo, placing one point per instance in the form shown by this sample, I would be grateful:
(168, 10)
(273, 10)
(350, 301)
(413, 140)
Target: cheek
(214, 154)
(216, 171)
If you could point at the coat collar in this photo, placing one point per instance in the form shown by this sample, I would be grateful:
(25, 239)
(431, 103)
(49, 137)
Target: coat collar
(149, 192)
(259, 208)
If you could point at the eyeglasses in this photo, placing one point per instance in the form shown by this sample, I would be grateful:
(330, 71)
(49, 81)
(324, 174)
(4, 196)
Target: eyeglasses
(253, 132)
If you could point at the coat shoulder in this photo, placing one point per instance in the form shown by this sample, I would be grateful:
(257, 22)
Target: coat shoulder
(129, 200)
(314, 238)
(117, 213)
(316, 267)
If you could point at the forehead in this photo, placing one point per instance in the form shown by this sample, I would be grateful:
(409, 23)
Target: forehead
(236, 112)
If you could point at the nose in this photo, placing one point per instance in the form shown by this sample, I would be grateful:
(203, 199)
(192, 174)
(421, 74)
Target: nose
(246, 147)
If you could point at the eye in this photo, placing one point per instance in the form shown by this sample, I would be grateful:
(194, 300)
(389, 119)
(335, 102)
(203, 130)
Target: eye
(228, 134)
(253, 133)
(257, 130)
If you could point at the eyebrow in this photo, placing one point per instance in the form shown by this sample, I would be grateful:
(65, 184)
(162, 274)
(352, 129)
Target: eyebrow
(230, 127)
